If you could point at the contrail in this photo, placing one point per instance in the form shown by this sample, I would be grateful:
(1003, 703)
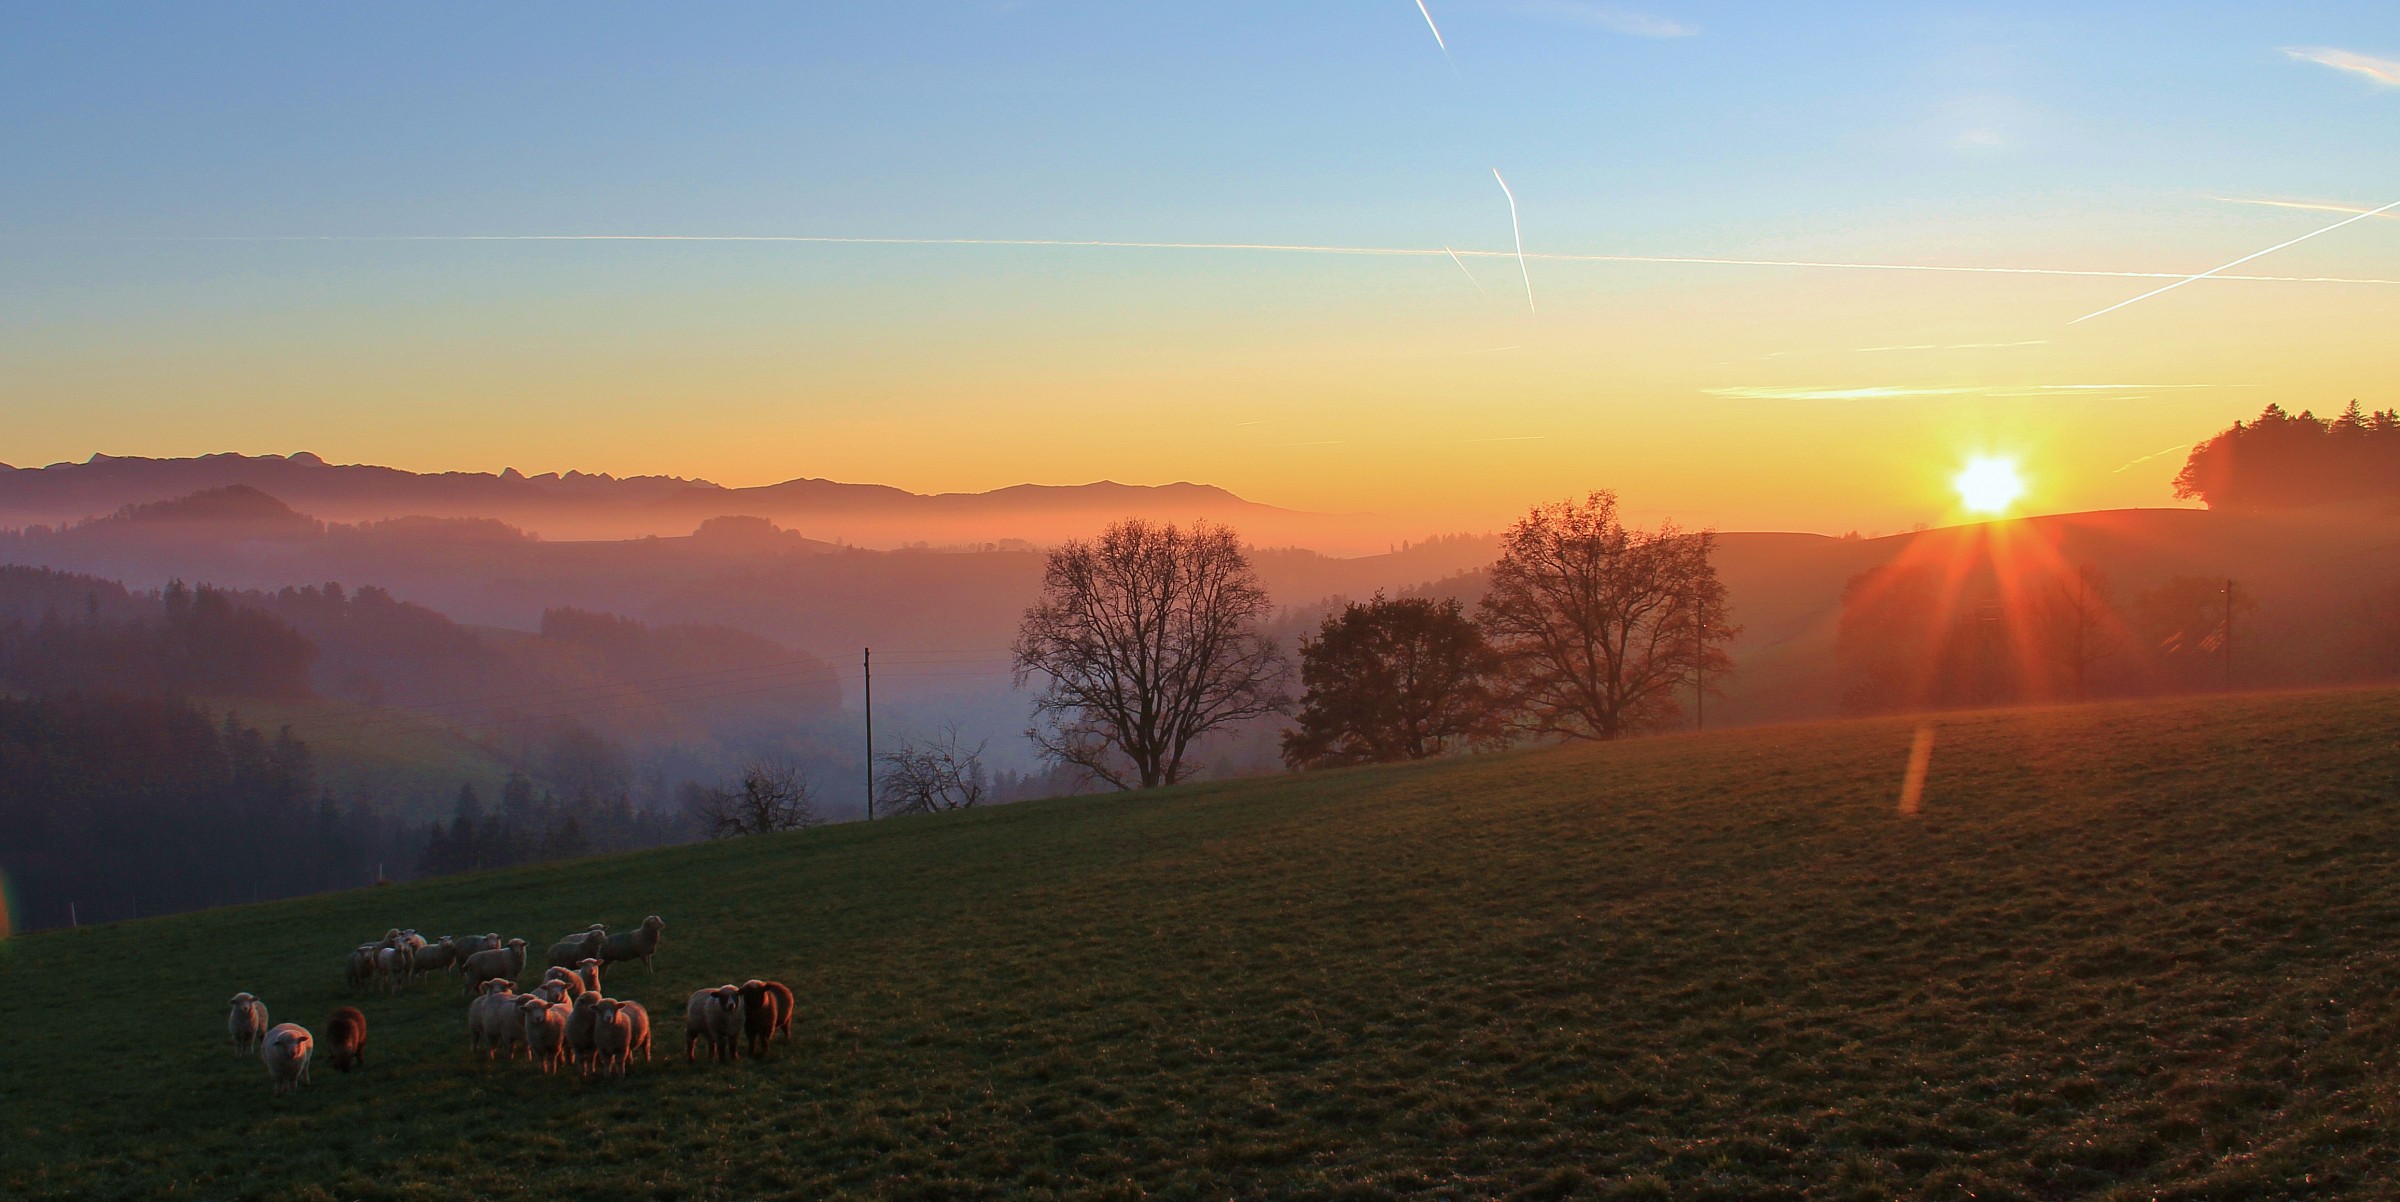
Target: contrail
(2313, 206)
(1437, 33)
(2155, 454)
(1296, 248)
(2244, 259)
(1519, 231)
(1462, 266)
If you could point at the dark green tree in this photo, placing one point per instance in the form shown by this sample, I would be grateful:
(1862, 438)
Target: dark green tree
(1395, 680)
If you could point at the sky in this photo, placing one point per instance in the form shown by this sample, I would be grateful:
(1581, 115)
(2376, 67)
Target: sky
(375, 233)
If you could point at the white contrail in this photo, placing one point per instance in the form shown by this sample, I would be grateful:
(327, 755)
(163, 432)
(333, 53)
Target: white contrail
(2153, 455)
(1462, 266)
(1519, 231)
(1297, 248)
(2244, 259)
(1437, 30)
(2314, 206)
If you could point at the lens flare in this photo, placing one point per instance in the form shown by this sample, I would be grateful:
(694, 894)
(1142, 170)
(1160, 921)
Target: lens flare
(1989, 484)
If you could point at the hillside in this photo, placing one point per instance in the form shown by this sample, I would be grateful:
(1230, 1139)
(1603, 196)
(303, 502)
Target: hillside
(2125, 950)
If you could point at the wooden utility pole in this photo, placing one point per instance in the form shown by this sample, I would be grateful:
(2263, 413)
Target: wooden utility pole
(2228, 640)
(866, 663)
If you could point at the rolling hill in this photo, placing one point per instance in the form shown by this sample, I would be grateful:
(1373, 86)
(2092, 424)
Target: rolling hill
(2126, 950)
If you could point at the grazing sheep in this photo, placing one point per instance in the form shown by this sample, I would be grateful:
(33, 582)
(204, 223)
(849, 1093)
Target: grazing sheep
(499, 963)
(346, 1038)
(468, 945)
(494, 1024)
(286, 1051)
(392, 964)
(590, 968)
(582, 1014)
(545, 1031)
(568, 951)
(635, 945)
(716, 1016)
(760, 1010)
(783, 1006)
(247, 1023)
(442, 953)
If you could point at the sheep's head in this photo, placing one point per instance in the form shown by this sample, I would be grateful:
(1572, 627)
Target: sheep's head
(654, 924)
(532, 1005)
(727, 996)
(516, 945)
(588, 962)
(241, 999)
(496, 985)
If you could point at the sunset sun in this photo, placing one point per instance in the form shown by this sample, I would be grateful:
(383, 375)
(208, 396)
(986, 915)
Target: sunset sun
(1989, 484)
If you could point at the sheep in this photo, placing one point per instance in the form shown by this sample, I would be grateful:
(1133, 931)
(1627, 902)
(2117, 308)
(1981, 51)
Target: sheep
(639, 1016)
(635, 945)
(760, 1010)
(362, 965)
(566, 952)
(582, 1014)
(247, 1023)
(714, 1015)
(346, 1038)
(783, 1006)
(442, 953)
(590, 968)
(499, 963)
(574, 982)
(612, 1035)
(286, 1052)
(392, 964)
(545, 1031)
(553, 991)
(468, 945)
(494, 1024)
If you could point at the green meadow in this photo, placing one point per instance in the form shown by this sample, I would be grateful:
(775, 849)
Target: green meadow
(2124, 951)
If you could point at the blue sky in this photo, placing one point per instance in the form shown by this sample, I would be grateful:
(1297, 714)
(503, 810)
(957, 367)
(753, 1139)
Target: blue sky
(132, 138)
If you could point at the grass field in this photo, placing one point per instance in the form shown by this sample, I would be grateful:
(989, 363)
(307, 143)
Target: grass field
(411, 765)
(2127, 951)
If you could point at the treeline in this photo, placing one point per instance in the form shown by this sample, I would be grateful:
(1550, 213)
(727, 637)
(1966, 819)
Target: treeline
(132, 806)
(182, 641)
(2284, 460)
(531, 825)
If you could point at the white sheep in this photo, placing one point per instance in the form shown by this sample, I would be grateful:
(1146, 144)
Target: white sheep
(441, 953)
(638, 944)
(590, 968)
(286, 1052)
(716, 1016)
(362, 965)
(393, 964)
(494, 964)
(545, 1031)
(247, 1023)
(568, 951)
(568, 978)
(494, 1024)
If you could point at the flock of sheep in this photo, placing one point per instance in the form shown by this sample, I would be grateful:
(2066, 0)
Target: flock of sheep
(564, 1019)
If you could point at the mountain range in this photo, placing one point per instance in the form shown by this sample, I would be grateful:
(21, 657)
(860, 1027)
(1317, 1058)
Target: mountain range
(586, 505)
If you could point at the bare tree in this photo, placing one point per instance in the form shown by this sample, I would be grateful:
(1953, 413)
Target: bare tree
(1148, 638)
(770, 796)
(2081, 625)
(928, 776)
(1599, 625)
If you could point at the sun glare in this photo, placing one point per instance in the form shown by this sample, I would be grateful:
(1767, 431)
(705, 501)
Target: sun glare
(1989, 484)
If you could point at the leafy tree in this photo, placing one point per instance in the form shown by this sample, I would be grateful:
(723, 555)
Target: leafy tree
(1395, 680)
(1146, 638)
(2283, 460)
(1598, 625)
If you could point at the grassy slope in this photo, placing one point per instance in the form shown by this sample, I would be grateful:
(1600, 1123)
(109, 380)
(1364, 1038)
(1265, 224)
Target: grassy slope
(2127, 951)
(411, 765)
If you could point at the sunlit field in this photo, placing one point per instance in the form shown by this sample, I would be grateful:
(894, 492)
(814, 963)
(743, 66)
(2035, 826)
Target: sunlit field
(2125, 951)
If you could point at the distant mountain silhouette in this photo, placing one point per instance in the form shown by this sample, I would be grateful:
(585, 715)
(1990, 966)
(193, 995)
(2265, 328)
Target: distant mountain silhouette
(597, 505)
